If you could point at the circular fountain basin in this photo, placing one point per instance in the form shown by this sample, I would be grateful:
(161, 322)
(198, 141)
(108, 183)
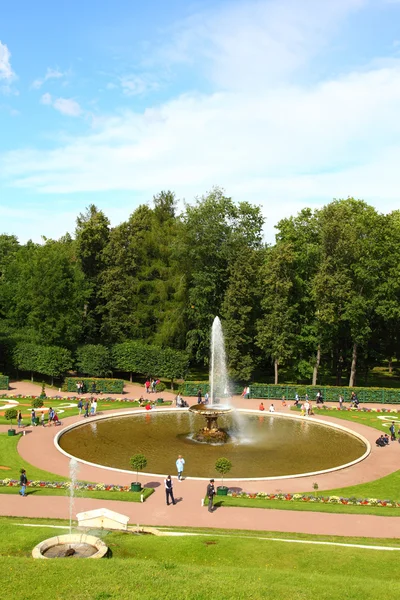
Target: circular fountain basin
(74, 545)
(267, 446)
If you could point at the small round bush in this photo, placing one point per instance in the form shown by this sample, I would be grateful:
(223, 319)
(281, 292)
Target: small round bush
(37, 402)
(161, 387)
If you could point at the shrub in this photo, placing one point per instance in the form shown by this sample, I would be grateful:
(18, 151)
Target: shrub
(138, 463)
(161, 387)
(11, 414)
(4, 381)
(37, 402)
(103, 386)
(223, 466)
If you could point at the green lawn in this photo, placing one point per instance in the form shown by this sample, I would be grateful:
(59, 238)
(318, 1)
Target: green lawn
(122, 496)
(306, 506)
(200, 568)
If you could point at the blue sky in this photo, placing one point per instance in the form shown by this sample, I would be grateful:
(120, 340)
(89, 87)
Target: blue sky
(284, 103)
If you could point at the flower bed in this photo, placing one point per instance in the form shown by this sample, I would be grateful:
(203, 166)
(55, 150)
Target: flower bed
(66, 485)
(316, 499)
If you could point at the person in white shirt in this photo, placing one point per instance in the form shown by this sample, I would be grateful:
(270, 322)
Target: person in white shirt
(271, 408)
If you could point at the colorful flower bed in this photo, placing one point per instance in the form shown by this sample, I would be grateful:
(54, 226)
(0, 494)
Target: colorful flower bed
(316, 499)
(66, 485)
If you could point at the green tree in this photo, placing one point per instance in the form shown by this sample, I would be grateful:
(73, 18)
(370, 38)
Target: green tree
(278, 326)
(138, 463)
(241, 311)
(223, 466)
(94, 360)
(26, 357)
(173, 364)
(53, 361)
(216, 230)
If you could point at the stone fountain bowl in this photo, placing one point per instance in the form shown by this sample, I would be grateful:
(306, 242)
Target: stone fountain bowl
(75, 545)
(208, 410)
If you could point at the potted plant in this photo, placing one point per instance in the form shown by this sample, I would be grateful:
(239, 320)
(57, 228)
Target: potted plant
(138, 463)
(223, 466)
(10, 414)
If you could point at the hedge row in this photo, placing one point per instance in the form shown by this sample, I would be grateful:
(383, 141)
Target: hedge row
(4, 381)
(104, 386)
(329, 393)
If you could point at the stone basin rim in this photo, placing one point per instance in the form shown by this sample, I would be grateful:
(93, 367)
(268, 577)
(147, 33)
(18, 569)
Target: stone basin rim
(70, 538)
(133, 412)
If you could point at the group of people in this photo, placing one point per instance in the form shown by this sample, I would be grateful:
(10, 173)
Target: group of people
(383, 440)
(89, 407)
(169, 485)
(81, 388)
(180, 402)
(52, 420)
(200, 397)
(151, 385)
(271, 407)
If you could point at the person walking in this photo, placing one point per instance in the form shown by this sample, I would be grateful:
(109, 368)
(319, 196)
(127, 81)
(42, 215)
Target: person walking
(80, 406)
(199, 396)
(86, 409)
(392, 430)
(147, 386)
(42, 419)
(33, 417)
(340, 402)
(180, 463)
(23, 482)
(210, 495)
(169, 492)
(19, 418)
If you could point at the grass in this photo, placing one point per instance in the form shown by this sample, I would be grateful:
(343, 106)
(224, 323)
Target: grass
(98, 495)
(199, 568)
(102, 406)
(307, 506)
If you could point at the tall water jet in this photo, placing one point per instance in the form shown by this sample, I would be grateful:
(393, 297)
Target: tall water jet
(73, 474)
(219, 384)
(219, 388)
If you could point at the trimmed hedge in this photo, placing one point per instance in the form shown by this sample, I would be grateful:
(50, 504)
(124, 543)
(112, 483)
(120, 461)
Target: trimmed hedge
(329, 393)
(104, 386)
(4, 381)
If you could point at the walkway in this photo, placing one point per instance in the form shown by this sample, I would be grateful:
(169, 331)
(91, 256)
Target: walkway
(37, 448)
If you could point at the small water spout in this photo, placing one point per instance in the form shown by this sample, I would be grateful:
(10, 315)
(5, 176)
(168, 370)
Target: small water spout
(73, 474)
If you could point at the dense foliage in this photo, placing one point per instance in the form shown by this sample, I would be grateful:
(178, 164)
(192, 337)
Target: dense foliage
(321, 305)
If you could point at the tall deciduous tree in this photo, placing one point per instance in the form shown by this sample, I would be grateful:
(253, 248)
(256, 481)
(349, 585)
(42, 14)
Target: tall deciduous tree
(94, 360)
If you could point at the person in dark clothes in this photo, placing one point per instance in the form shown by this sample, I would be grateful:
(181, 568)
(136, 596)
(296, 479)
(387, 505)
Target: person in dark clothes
(23, 480)
(169, 493)
(210, 495)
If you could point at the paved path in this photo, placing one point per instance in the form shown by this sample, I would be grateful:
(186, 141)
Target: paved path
(37, 448)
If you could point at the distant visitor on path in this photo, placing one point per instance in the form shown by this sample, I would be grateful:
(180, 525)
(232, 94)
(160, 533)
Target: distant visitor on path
(261, 407)
(210, 495)
(169, 493)
(199, 397)
(340, 401)
(392, 430)
(206, 397)
(19, 418)
(296, 400)
(33, 417)
(147, 386)
(23, 482)
(271, 408)
(180, 464)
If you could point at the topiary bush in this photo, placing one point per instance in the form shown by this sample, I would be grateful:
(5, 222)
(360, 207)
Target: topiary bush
(223, 466)
(161, 387)
(11, 414)
(4, 381)
(138, 463)
(103, 386)
(37, 402)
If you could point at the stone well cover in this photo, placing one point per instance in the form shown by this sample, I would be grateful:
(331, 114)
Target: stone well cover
(102, 518)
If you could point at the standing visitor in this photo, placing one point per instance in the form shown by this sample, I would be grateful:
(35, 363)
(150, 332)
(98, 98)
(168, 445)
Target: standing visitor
(147, 386)
(180, 463)
(210, 495)
(169, 493)
(42, 419)
(19, 418)
(51, 415)
(33, 417)
(340, 402)
(86, 409)
(296, 400)
(80, 406)
(392, 432)
(199, 396)
(206, 396)
(23, 481)
(307, 406)
(247, 394)
(95, 406)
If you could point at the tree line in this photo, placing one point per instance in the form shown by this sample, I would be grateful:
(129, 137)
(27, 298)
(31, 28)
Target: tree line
(323, 301)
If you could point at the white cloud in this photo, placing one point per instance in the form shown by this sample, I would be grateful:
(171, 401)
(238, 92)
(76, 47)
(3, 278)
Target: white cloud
(50, 74)
(136, 85)
(65, 106)
(46, 99)
(261, 135)
(6, 71)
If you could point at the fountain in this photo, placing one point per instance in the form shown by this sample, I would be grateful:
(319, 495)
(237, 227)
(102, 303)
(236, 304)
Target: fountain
(219, 387)
(76, 545)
